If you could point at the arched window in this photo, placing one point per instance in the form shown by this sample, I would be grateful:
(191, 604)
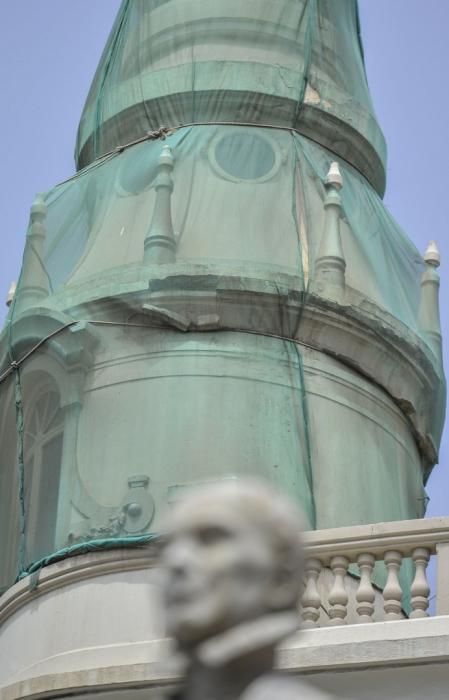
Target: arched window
(43, 443)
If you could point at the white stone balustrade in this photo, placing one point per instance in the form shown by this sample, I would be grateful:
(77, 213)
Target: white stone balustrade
(372, 590)
(111, 601)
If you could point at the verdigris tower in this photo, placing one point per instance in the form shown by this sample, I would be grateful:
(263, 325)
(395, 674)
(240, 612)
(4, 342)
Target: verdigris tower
(218, 291)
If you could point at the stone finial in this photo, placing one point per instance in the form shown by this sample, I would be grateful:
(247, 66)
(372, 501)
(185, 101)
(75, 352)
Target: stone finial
(33, 286)
(166, 157)
(11, 292)
(334, 177)
(160, 243)
(429, 310)
(432, 255)
(330, 264)
(38, 208)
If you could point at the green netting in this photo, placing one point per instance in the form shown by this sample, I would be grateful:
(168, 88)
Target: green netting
(155, 376)
(295, 63)
(98, 221)
(207, 303)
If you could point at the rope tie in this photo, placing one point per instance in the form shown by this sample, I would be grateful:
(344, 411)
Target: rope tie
(160, 133)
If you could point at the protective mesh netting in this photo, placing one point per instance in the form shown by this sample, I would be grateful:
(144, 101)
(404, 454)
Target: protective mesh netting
(175, 321)
(296, 63)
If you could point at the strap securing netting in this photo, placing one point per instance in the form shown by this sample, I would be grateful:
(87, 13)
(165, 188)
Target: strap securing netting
(164, 131)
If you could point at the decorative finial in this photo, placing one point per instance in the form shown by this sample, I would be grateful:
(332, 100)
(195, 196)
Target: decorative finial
(166, 157)
(334, 177)
(33, 285)
(39, 208)
(429, 310)
(160, 243)
(432, 255)
(11, 292)
(330, 263)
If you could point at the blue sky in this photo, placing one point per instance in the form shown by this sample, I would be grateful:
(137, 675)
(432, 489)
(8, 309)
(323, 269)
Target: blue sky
(49, 52)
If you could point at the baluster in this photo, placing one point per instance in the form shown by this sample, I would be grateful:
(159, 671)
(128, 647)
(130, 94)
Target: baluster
(311, 599)
(338, 597)
(420, 588)
(442, 578)
(365, 595)
(393, 590)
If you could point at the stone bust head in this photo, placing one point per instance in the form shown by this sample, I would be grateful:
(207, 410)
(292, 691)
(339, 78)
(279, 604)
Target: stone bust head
(232, 565)
(232, 554)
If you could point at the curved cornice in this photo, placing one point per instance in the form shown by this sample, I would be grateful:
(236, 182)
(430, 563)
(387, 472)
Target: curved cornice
(72, 570)
(380, 645)
(354, 331)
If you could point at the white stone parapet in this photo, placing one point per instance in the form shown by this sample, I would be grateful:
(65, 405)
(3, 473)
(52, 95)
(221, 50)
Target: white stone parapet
(93, 623)
(327, 596)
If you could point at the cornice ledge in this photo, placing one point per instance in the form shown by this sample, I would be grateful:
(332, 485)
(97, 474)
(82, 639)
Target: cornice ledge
(357, 332)
(347, 648)
(98, 680)
(73, 569)
(377, 538)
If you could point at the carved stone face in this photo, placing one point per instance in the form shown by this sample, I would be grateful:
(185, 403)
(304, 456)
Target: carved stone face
(220, 570)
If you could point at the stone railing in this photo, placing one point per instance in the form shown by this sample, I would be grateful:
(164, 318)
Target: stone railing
(353, 574)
